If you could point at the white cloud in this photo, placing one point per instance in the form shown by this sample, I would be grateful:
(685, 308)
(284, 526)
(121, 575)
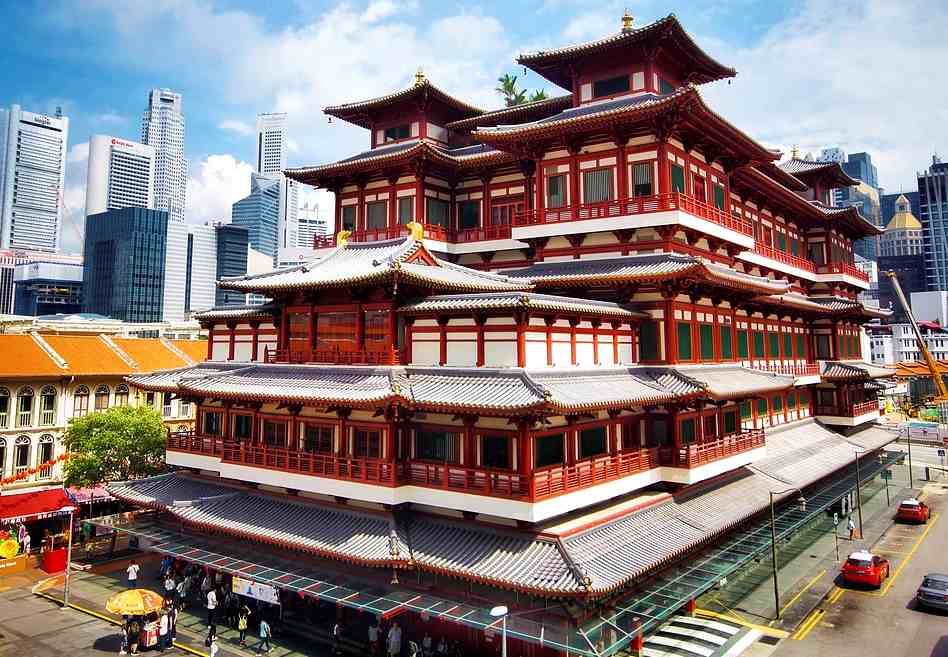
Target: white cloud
(214, 185)
(111, 118)
(870, 83)
(239, 127)
(79, 152)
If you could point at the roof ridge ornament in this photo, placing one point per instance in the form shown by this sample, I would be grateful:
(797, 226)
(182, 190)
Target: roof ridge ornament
(627, 20)
(419, 76)
(416, 231)
(342, 237)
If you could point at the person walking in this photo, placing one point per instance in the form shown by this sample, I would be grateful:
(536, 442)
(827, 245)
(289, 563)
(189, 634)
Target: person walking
(163, 631)
(182, 590)
(170, 589)
(172, 624)
(123, 648)
(134, 633)
(211, 606)
(852, 528)
(265, 634)
(394, 640)
(374, 638)
(337, 638)
(243, 618)
(215, 648)
(132, 572)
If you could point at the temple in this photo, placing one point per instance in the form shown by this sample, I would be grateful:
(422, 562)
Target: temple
(549, 346)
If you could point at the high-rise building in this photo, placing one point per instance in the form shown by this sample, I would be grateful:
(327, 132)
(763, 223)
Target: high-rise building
(933, 213)
(271, 143)
(121, 175)
(190, 268)
(859, 165)
(8, 263)
(259, 213)
(834, 154)
(32, 174)
(124, 269)
(887, 204)
(47, 288)
(232, 252)
(310, 226)
(163, 129)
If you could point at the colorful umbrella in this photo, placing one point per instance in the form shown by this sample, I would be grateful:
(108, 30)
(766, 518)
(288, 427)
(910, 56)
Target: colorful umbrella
(135, 602)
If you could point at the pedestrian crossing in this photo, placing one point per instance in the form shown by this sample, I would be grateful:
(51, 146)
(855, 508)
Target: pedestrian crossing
(685, 636)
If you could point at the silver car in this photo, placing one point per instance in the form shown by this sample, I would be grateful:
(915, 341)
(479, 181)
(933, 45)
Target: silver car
(933, 593)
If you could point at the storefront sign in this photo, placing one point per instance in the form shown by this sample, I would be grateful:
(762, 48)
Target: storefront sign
(13, 565)
(252, 589)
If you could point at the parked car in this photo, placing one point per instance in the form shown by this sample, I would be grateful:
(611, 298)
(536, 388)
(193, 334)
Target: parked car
(865, 568)
(913, 510)
(933, 592)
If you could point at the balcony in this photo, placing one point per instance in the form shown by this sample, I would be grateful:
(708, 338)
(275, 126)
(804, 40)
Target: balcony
(47, 417)
(633, 206)
(692, 456)
(478, 481)
(845, 269)
(851, 411)
(790, 369)
(786, 258)
(331, 357)
(431, 232)
(559, 480)
(364, 470)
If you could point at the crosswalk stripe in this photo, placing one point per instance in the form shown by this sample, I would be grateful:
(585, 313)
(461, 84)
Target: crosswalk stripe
(681, 645)
(693, 633)
(706, 622)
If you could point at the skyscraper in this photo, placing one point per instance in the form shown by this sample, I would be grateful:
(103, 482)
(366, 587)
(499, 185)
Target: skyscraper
(310, 226)
(121, 175)
(933, 212)
(163, 129)
(271, 143)
(32, 174)
(859, 165)
(259, 213)
(901, 252)
(231, 261)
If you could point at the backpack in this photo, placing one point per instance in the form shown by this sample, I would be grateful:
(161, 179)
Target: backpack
(242, 622)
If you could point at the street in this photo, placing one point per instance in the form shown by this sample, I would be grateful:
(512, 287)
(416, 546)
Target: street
(855, 623)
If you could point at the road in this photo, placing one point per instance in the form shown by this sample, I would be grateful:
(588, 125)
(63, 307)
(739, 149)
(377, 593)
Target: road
(857, 623)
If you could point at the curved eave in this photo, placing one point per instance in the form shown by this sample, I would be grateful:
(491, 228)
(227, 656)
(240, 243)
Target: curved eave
(523, 112)
(359, 112)
(788, 180)
(756, 179)
(853, 220)
(552, 64)
(253, 286)
(368, 402)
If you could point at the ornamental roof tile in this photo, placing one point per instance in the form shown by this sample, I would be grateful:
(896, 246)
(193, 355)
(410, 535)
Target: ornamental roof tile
(517, 301)
(357, 112)
(807, 168)
(168, 380)
(838, 370)
(248, 312)
(522, 112)
(850, 215)
(729, 382)
(358, 263)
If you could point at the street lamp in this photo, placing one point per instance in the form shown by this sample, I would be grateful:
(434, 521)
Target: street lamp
(501, 612)
(858, 490)
(773, 535)
(70, 510)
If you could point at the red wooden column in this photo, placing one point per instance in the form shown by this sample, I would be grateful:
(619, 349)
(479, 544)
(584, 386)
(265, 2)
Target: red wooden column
(572, 339)
(533, 194)
(419, 192)
(470, 442)
(671, 335)
(622, 167)
(571, 441)
(834, 348)
(210, 342)
(525, 445)
(390, 430)
(406, 348)
(523, 319)
(255, 337)
(361, 222)
(549, 321)
(573, 149)
(343, 449)
(615, 342)
(595, 324)
(443, 340)
(485, 206)
(392, 201)
(664, 175)
(479, 320)
(233, 340)
(359, 329)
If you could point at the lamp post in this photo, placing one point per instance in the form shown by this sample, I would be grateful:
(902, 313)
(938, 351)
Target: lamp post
(858, 490)
(70, 510)
(501, 612)
(773, 536)
(908, 437)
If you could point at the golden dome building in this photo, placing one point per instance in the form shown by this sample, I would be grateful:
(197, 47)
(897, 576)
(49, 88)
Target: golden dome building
(903, 233)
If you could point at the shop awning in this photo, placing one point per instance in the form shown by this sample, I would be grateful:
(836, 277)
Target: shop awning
(21, 507)
(89, 495)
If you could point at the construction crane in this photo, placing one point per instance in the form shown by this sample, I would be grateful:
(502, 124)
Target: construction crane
(941, 392)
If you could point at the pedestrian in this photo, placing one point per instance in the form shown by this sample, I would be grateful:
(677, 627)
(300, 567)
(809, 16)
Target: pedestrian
(163, 631)
(426, 645)
(172, 624)
(214, 648)
(230, 608)
(211, 606)
(243, 618)
(123, 648)
(442, 648)
(132, 572)
(211, 635)
(394, 641)
(134, 632)
(264, 636)
(374, 638)
(852, 528)
(337, 638)
(169, 589)
(182, 590)
(26, 543)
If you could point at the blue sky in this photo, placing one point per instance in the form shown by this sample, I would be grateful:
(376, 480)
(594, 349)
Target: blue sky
(813, 73)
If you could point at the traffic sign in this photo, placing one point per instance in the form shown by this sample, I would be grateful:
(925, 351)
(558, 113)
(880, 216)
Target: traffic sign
(886, 474)
(835, 519)
(941, 452)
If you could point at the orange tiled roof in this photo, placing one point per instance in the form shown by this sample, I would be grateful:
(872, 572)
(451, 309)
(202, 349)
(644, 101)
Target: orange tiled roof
(150, 354)
(88, 354)
(196, 349)
(24, 356)
(909, 369)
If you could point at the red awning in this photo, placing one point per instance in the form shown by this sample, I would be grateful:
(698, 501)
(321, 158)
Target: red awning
(20, 507)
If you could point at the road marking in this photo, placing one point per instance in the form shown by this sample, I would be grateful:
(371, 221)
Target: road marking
(803, 590)
(908, 557)
(780, 634)
(807, 626)
(835, 595)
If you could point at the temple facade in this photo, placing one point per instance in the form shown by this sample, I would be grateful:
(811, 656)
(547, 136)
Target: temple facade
(538, 329)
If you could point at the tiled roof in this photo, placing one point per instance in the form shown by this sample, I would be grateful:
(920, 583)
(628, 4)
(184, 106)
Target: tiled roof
(238, 312)
(595, 388)
(795, 300)
(517, 301)
(372, 262)
(168, 380)
(89, 354)
(853, 370)
(150, 355)
(23, 355)
(851, 216)
(517, 113)
(729, 382)
(550, 63)
(357, 112)
(647, 267)
(804, 169)
(196, 350)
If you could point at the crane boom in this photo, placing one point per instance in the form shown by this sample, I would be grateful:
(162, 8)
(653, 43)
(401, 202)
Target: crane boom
(941, 390)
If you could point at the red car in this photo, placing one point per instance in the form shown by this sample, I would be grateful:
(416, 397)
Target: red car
(912, 510)
(865, 568)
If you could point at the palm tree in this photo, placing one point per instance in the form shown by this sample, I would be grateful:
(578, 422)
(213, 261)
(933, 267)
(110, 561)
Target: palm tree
(507, 87)
(539, 94)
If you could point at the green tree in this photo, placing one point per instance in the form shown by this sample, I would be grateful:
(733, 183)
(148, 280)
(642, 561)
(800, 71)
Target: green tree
(507, 87)
(539, 94)
(121, 443)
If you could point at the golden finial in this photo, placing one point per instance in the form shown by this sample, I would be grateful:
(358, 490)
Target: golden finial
(416, 231)
(342, 237)
(627, 20)
(419, 76)
(795, 152)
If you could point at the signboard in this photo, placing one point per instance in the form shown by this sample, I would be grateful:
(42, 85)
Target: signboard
(886, 474)
(941, 452)
(256, 590)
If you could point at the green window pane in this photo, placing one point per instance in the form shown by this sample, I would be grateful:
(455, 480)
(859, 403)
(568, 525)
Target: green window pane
(758, 344)
(706, 332)
(792, 400)
(787, 345)
(794, 249)
(727, 350)
(719, 197)
(745, 410)
(684, 341)
(678, 178)
(762, 407)
(730, 422)
(548, 450)
(782, 242)
(592, 442)
(804, 399)
(800, 349)
(774, 345)
(778, 404)
(742, 344)
(687, 431)
(648, 341)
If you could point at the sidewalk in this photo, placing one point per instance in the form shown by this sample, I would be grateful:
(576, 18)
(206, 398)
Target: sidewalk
(807, 564)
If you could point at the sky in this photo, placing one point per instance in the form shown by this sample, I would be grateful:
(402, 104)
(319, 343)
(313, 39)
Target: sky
(865, 76)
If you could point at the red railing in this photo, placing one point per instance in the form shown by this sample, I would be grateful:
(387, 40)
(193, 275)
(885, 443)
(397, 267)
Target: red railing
(324, 241)
(843, 268)
(790, 369)
(786, 258)
(481, 234)
(854, 410)
(367, 470)
(185, 441)
(431, 231)
(692, 456)
(483, 481)
(639, 205)
(333, 356)
(561, 479)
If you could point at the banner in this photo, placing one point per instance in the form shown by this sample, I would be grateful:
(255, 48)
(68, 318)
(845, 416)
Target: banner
(252, 589)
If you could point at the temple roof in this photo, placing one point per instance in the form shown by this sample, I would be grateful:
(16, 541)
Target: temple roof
(851, 218)
(722, 382)
(518, 301)
(649, 267)
(243, 312)
(359, 263)
(808, 170)
(168, 380)
(362, 112)
(697, 66)
(530, 111)
(838, 370)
